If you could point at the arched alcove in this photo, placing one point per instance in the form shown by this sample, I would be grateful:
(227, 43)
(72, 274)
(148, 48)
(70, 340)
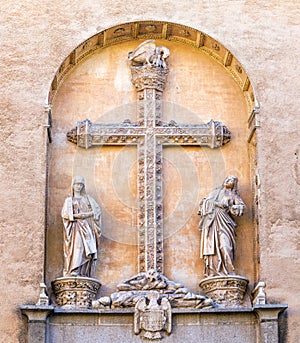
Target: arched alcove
(205, 82)
(172, 32)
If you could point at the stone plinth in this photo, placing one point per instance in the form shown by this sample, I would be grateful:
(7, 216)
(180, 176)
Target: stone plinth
(75, 292)
(244, 324)
(227, 291)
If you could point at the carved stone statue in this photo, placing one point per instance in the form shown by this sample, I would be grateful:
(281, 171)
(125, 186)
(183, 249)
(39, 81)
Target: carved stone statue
(148, 54)
(218, 243)
(82, 230)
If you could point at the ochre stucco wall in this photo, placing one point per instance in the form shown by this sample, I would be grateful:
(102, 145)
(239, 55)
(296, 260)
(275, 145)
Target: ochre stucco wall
(37, 35)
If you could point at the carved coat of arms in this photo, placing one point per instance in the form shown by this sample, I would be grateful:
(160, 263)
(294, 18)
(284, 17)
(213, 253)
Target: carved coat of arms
(152, 315)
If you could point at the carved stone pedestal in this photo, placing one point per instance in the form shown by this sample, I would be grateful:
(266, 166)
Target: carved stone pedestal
(227, 291)
(75, 292)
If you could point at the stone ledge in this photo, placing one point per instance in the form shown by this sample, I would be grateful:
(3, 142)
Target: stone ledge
(36, 313)
(269, 312)
(267, 308)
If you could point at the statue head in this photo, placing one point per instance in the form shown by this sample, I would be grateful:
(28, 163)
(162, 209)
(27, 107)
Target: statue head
(163, 52)
(78, 180)
(230, 181)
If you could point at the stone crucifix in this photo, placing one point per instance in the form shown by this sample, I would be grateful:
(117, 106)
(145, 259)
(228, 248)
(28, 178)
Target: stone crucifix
(149, 75)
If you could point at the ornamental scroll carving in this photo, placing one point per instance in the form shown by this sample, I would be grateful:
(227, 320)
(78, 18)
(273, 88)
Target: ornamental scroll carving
(226, 291)
(75, 292)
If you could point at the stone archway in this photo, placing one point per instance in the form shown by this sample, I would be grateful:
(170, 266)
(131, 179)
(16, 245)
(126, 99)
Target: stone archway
(173, 32)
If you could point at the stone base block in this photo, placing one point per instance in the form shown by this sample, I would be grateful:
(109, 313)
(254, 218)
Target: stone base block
(75, 292)
(257, 324)
(227, 291)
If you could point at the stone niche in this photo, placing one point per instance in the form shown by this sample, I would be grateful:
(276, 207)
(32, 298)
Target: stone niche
(198, 89)
(204, 82)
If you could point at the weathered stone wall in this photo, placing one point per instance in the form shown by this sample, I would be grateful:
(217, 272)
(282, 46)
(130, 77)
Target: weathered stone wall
(37, 35)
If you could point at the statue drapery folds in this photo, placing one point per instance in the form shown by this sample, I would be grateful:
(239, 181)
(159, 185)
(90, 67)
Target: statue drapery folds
(218, 244)
(82, 230)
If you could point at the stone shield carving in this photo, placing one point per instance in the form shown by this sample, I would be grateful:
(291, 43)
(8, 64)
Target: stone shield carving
(152, 315)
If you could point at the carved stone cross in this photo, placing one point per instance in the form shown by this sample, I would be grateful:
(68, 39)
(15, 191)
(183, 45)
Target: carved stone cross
(149, 134)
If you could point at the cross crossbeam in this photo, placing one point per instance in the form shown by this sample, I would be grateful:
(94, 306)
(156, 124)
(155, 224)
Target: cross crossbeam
(149, 134)
(87, 134)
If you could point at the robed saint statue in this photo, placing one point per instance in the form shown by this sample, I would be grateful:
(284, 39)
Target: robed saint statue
(217, 227)
(82, 230)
